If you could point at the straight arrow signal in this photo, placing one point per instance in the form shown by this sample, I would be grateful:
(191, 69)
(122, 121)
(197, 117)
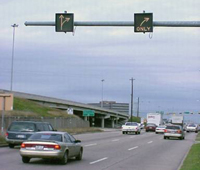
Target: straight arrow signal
(62, 22)
(145, 20)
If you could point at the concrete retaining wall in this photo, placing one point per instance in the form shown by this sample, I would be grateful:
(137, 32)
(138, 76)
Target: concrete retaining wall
(57, 123)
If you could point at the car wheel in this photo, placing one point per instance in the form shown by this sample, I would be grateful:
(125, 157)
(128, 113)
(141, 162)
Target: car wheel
(196, 131)
(183, 137)
(138, 132)
(165, 137)
(11, 145)
(25, 159)
(79, 157)
(187, 131)
(64, 160)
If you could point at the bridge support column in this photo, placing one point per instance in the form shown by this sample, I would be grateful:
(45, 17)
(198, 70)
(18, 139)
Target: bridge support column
(102, 122)
(85, 118)
(113, 123)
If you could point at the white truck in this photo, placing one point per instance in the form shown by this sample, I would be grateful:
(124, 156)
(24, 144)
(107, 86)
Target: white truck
(155, 118)
(131, 127)
(177, 119)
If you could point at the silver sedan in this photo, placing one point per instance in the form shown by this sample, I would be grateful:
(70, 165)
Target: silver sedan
(51, 145)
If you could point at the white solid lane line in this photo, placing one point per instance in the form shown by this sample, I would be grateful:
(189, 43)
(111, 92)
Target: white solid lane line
(115, 140)
(92, 144)
(133, 148)
(132, 137)
(98, 160)
(149, 142)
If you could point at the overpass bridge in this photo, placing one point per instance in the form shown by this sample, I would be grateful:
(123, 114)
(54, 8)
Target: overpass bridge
(102, 118)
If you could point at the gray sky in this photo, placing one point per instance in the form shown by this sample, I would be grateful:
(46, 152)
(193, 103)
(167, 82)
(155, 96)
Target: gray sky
(166, 67)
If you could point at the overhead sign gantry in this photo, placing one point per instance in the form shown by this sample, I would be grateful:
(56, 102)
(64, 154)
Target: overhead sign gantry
(143, 22)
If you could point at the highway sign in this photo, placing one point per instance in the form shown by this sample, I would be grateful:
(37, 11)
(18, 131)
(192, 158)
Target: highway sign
(88, 113)
(143, 22)
(64, 22)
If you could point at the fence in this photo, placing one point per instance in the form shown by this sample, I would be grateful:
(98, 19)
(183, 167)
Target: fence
(57, 123)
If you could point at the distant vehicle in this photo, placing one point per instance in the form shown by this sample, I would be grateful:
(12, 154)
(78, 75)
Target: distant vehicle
(51, 145)
(151, 127)
(192, 128)
(20, 131)
(174, 131)
(160, 129)
(178, 120)
(131, 127)
(155, 118)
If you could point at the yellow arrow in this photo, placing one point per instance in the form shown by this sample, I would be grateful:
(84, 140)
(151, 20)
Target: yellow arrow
(145, 20)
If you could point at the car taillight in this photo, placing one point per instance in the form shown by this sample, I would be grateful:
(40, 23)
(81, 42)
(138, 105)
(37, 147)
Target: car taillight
(179, 131)
(6, 134)
(57, 147)
(23, 145)
(165, 130)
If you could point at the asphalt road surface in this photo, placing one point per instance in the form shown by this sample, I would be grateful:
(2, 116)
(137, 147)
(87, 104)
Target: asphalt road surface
(112, 151)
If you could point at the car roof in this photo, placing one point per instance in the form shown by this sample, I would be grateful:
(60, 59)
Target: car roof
(51, 132)
(27, 121)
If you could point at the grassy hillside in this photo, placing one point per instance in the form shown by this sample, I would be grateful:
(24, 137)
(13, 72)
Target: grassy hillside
(24, 107)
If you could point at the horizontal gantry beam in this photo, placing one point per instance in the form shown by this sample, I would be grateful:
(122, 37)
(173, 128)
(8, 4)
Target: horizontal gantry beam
(119, 23)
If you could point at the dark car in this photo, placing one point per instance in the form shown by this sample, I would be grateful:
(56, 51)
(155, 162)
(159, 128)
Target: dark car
(20, 131)
(151, 127)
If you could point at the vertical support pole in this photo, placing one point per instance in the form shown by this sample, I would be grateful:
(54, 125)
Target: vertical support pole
(132, 97)
(3, 110)
(113, 123)
(138, 108)
(102, 122)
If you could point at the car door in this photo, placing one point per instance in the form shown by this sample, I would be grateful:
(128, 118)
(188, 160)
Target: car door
(70, 145)
(76, 146)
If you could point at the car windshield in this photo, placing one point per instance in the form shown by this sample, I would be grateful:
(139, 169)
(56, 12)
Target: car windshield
(173, 127)
(151, 124)
(46, 136)
(161, 126)
(131, 124)
(22, 127)
(192, 125)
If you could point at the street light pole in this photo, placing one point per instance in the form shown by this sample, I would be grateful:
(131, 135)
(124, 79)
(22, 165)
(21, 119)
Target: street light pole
(102, 94)
(132, 97)
(13, 49)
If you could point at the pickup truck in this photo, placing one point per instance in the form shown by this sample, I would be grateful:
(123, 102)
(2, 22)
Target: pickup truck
(131, 127)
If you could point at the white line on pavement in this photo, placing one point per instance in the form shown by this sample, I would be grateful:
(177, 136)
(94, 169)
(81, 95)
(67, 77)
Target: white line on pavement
(132, 137)
(92, 144)
(150, 142)
(98, 160)
(115, 140)
(133, 148)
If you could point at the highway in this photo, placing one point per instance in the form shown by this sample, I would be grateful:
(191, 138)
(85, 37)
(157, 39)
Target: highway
(112, 151)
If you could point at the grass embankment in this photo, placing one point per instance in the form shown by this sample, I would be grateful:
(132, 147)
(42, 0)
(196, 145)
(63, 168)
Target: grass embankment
(24, 107)
(192, 161)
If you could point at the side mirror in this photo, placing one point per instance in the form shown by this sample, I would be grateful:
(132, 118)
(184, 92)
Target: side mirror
(77, 141)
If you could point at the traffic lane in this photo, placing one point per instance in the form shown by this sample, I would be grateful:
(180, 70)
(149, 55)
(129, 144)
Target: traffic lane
(94, 157)
(12, 159)
(154, 155)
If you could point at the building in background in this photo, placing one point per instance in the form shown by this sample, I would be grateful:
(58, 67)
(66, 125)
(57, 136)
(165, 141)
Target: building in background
(113, 105)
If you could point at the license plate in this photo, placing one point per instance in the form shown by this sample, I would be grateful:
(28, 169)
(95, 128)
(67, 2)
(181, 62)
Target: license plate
(39, 147)
(21, 136)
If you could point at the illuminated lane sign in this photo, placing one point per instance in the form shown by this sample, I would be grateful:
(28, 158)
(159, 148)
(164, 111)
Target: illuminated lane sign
(65, 22)
(143, 22)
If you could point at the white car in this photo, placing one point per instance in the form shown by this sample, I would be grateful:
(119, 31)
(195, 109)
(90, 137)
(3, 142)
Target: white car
(160, 129)
(131, 127)
(192, 128)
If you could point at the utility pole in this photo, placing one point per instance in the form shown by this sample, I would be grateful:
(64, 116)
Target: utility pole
(13, 49)
(102, 93)
(138, 108)
(132, 97)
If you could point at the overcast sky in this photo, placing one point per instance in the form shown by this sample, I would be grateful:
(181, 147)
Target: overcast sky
(166, 68)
